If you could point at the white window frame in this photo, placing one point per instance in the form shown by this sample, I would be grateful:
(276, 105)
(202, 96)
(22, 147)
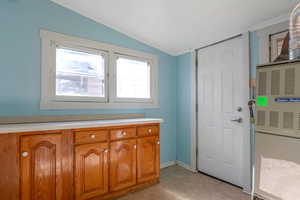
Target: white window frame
(49, 101)
(79, 98)
(114, 84)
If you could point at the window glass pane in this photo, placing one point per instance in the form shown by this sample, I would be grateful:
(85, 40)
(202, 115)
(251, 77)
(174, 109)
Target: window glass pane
(133, 79)
(79, 73)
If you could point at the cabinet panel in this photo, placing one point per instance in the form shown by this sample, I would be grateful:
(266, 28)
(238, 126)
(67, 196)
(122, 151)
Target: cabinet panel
(122, 164)
(91, 178)
(9, 173)
(148, 158)
(41, 177)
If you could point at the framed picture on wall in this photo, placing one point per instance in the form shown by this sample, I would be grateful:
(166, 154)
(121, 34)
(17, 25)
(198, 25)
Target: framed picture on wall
(275, 42)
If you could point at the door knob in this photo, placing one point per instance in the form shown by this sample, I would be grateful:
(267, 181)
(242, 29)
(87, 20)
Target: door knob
(93, 136)
(238, 120)
(25, 154)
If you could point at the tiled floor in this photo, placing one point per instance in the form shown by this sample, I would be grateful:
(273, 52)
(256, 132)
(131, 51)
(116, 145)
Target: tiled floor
(180, 184)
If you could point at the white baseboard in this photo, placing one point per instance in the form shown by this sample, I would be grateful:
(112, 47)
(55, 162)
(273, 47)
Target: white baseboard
(246, 191)
(167, 164)
(176, 162)
(259, 197)
(185, 166)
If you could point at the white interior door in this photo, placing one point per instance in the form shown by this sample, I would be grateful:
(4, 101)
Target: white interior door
(223, 91)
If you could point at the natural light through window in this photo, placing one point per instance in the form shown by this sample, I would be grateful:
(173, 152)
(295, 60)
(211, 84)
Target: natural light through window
(133, 78)
(84, 74)
(79, 73)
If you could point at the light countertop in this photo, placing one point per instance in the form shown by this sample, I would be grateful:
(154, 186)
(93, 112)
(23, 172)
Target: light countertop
(15, 128)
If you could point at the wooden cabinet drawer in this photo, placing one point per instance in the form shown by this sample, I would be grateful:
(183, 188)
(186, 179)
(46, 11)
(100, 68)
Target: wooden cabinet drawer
(85, 137)
(148, 130)
(117, 134)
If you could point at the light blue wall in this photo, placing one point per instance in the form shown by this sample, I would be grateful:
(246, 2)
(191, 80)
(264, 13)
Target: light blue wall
(20, 22)
(184, 107)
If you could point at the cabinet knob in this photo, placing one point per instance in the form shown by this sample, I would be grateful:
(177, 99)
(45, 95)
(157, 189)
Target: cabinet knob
(124, 133)
(25, 154)
(158, 142)
(93, 136)
(149, 130)
(106, 150)
(134, 146)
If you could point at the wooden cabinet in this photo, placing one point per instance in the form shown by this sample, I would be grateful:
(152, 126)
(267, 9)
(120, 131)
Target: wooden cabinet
(41, 170)
(91, 170)
(148, 158)
(122, 164)
(80, 164)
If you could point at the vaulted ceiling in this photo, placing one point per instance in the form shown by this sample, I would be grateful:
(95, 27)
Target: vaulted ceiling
(176, 26)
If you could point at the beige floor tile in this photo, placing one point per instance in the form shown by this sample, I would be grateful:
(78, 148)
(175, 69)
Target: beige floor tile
(177, 183)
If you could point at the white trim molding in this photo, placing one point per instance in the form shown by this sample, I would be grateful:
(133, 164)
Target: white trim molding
(167, 164)
(177, 162)
(185, 166)
(246, 168)
(194, 114)
(50, 101)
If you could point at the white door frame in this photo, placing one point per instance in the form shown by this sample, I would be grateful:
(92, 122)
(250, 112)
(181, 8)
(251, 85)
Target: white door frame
(247, 172)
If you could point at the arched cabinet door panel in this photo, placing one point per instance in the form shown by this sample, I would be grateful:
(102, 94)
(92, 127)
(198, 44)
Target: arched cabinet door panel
(148, 158)
(91, 170)
(122, 164)
(41, 173)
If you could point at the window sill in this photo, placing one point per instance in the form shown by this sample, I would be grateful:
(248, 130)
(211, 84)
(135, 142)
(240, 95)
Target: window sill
(55, 105)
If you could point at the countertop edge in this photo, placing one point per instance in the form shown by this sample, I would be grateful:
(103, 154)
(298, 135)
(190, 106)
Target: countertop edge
(19, 128)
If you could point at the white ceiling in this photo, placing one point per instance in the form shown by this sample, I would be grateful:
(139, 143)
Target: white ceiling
(177, 26)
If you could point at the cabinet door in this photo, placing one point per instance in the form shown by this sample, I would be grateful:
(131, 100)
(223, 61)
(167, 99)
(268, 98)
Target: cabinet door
(91, 170)
(148, 158)
(41, 173)
(123, 164)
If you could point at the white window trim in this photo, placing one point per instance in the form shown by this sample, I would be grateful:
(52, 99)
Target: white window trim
(78, 98)
(51, 102)
(114, 83)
